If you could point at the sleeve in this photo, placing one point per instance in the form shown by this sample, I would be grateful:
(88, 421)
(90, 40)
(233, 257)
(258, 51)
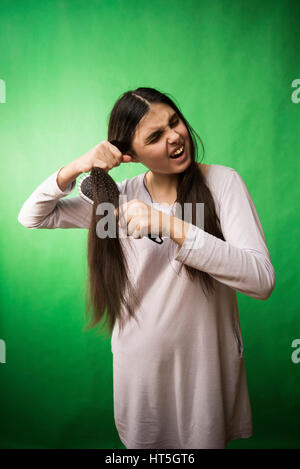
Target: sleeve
(242, 261)
(45, 208)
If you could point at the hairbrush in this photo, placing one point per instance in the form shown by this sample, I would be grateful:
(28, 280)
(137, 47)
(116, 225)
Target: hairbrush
(107, 186)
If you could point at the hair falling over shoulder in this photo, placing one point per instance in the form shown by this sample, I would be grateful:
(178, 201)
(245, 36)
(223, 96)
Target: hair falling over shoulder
(109, 289)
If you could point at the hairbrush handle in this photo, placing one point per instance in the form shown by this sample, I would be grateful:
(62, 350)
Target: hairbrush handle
(123, 147)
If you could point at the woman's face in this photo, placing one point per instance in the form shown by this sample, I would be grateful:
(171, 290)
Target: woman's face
(158, 135)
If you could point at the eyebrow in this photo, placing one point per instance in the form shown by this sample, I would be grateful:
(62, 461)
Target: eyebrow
(160, 129)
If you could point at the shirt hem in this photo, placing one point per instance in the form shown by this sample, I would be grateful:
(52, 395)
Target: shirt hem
(165, 445)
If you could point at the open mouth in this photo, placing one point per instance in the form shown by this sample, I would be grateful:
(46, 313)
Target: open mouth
(178, 153)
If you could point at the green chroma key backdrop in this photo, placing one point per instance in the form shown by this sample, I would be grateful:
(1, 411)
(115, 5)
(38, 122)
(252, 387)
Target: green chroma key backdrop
(234, 69)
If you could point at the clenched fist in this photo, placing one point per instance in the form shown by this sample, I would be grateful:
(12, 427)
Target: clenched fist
(138, 219)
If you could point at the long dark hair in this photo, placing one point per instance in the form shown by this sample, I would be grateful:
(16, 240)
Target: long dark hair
(124, 118)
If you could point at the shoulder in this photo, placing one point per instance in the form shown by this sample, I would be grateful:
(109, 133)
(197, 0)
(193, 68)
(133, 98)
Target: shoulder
(216, 175)
(127, 183)
(132, 187)
(219, 179)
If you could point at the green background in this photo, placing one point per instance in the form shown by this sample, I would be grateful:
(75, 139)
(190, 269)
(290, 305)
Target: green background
(230, 67)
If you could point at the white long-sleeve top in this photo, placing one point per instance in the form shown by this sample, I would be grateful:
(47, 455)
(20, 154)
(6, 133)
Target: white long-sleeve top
(179, 376)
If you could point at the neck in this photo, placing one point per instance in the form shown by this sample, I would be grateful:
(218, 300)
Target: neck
(163, 187)
(163, 184)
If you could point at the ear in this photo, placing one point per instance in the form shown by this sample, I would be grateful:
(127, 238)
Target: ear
(133, 156)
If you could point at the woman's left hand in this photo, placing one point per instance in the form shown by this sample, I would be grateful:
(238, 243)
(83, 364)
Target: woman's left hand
(139, 219)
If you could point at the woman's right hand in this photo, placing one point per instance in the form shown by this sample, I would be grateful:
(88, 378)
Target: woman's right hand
(104, 155)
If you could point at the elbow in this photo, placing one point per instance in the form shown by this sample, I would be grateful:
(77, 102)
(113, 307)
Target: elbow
(262, 279)
(266, 293)
(268, 285)
(22, 220)
(25, 221)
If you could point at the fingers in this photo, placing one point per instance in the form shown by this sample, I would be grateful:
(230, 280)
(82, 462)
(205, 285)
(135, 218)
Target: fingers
(101, 164)
(123, 215)
(133, 229)
(133, 220)
(115, 154)
(126, 220)
(121, 158)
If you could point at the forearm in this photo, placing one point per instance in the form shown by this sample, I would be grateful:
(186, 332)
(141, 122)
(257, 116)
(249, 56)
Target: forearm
(44, 209)
(241, 269)
(68, 174)
(175, 228)
(248, 271)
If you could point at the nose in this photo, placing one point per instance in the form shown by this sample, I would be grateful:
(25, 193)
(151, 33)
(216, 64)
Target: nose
(173, 136)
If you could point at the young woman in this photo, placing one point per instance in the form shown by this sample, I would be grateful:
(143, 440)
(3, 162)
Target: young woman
(179, 373)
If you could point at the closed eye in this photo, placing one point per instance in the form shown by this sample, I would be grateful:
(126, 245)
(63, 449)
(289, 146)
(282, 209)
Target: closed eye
(172, 124)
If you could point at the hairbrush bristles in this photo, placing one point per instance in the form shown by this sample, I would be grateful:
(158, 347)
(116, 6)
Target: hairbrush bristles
(85, 188)
(105, 188)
